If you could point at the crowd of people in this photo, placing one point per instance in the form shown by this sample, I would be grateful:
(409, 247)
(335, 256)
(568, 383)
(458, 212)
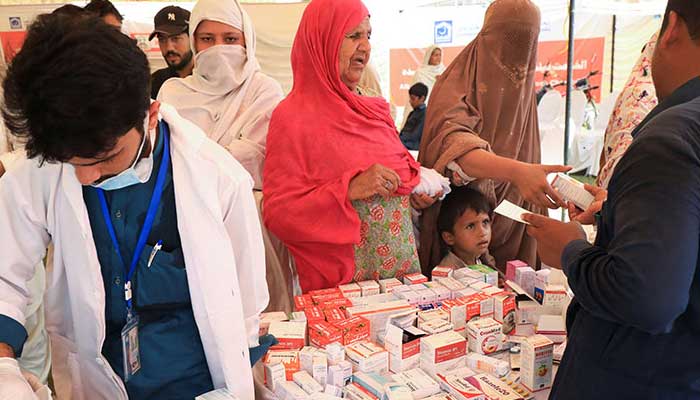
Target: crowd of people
(171, 209)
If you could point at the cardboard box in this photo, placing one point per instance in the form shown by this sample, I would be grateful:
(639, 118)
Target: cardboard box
(400, 364)
(528, 312)
(493, 291)
(494, 388)
(491, 365)
(403, 346)
(355, 391)
(435, 326)
(485, 336)
(427, 296)
(307, 383)
(288, 358)
(453, 285)
(436, 313)
(442, 272)
(378, 314)
(525, 277)
(484, 304)
(480, 286)
(374, 383)
(314, 314)
(291, 391)
(460, 387)
(389, 285)
(511, 267)
(553, 327)
(457, 315)
(324, 292)
(410, 296)
(274, 375)
(369, 288)
(290, 334)
(367, 357)
(466, 292)
(420, 383)
(353, 330)
(443, 347)
(541, 282)
(319, 368)
(555, 299)
(267, 318)
(490, 274)
(447, 367)
(325, 396)
(301, 302)
(323, 333)
(334, 391)
(373, 299)
(335, 353)
(413, 279)
(467, 273)
(536, 363)
(397, 391)
(350, 290)
(504, 312)
(306, 358)
(334, 315)
(298, 316)
(339, 375)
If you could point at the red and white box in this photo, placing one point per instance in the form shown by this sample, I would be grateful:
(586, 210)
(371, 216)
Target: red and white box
(324, 292)
(420, 383)
(485, 336)
(389, 285)
(403, 352)
(459, 386)
(355, 391)
(528, 312)
(435, 326)
(427, 296)
(485, 306)
(334, 314)
(290, 334)
(351, 290)
(368, 357)
(301, 302)
(493, 387)
(480, 286)
(353, 330)
(466, 292)
(288, 358)
(443, 347)
(553, 327)
(275, 374)
(504, 311)
(442, 272)
(409, 295)
(435, 313)
(291, 391)
(536, 354)
(511, 267)
(322, 333)
(555, 299)
(414, 279)
(493, 291)
(369, 288)
(314, 314)
(453, 285)
(339, 375)
(472, 306)
(307, 382)
(341, 303)
(457, 315)
(267, 318)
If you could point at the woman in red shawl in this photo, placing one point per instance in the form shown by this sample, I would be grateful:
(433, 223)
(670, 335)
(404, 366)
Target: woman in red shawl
(337, 180)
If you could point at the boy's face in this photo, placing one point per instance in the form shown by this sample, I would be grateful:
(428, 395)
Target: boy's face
(470, 235)
(416, 101)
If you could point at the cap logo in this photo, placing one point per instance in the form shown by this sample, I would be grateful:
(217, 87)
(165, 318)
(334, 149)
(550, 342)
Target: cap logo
(171, 16)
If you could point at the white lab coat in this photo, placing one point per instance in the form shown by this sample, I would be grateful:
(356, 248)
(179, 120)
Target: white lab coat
(221, 242)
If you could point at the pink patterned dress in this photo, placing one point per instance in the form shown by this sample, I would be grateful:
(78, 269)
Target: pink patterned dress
(387, 247)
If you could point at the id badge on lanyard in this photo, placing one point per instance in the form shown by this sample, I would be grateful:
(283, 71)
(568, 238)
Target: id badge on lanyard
(131, 351)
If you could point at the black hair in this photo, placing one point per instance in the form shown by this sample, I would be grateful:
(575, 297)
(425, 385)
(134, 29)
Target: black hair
(457, 203)
(102, 8)
(689, 11)
(70, 10)
(76, 86)
(418, 89)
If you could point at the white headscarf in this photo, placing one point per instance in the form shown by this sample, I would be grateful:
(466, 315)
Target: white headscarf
(212, 95)
(427, 73)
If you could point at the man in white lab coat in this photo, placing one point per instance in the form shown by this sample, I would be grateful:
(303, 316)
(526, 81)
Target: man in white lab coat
(158, 274)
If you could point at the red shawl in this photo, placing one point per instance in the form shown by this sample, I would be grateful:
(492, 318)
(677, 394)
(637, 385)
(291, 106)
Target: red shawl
(321, 136)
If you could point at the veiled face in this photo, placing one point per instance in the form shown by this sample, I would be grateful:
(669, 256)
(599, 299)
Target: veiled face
(213, 33)
(354, 54)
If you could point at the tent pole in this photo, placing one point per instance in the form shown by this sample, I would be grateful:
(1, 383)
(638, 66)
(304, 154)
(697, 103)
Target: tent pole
(569, 80)
(612, 63)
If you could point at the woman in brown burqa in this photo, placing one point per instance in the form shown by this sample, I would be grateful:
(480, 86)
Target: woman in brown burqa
(482, 126)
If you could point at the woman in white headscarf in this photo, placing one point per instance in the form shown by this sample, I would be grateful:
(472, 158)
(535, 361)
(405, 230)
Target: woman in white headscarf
(231, 100)
(427, 73)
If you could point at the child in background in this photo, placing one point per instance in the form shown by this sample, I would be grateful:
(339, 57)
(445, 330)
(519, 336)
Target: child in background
(464, 224)
(413, 129)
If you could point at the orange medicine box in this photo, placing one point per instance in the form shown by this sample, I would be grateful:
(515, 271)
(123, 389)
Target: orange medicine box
(302, 302)
(321, 334)
(288, 358)
(413, 279)
(314, 314)
(504, 311)
(442, 272)
(353, 330)
(334, 315)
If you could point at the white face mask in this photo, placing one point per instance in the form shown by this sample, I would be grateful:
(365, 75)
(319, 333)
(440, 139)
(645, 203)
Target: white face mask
(221, 67)
(138, 172)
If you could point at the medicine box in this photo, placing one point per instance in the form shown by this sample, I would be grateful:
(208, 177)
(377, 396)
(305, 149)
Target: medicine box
(367, 357)
(536, 363)
(289, 334)
(351, 290)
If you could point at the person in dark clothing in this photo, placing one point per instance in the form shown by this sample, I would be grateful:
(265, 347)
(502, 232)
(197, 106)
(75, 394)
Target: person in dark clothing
(105, 10)
(413, 129)
(171, 28)
(634, 324)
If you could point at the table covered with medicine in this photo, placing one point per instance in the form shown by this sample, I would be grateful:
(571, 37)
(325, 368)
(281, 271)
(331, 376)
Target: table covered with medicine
(463, 334)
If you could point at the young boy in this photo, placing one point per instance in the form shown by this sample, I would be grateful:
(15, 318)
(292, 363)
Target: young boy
(464, 224)
(413, 129)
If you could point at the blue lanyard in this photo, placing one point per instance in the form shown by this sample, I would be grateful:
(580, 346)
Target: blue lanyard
(147, 224)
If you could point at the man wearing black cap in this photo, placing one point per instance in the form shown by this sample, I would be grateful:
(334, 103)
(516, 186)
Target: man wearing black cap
(171, 29)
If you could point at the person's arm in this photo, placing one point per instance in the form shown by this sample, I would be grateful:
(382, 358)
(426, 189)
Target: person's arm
(243, 227)
(643, 277)
(249, 146)
(530, 179)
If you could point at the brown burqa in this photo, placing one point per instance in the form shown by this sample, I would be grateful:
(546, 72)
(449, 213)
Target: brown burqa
(486, 99)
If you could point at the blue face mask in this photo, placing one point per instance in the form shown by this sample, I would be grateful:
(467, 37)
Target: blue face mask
(139, 172)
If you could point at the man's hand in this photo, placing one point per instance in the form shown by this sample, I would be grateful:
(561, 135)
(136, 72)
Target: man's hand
(12, 384)
(423, 201)
(587, 217)
(552, 236)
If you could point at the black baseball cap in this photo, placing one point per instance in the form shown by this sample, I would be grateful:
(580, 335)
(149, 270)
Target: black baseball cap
(171, 20)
